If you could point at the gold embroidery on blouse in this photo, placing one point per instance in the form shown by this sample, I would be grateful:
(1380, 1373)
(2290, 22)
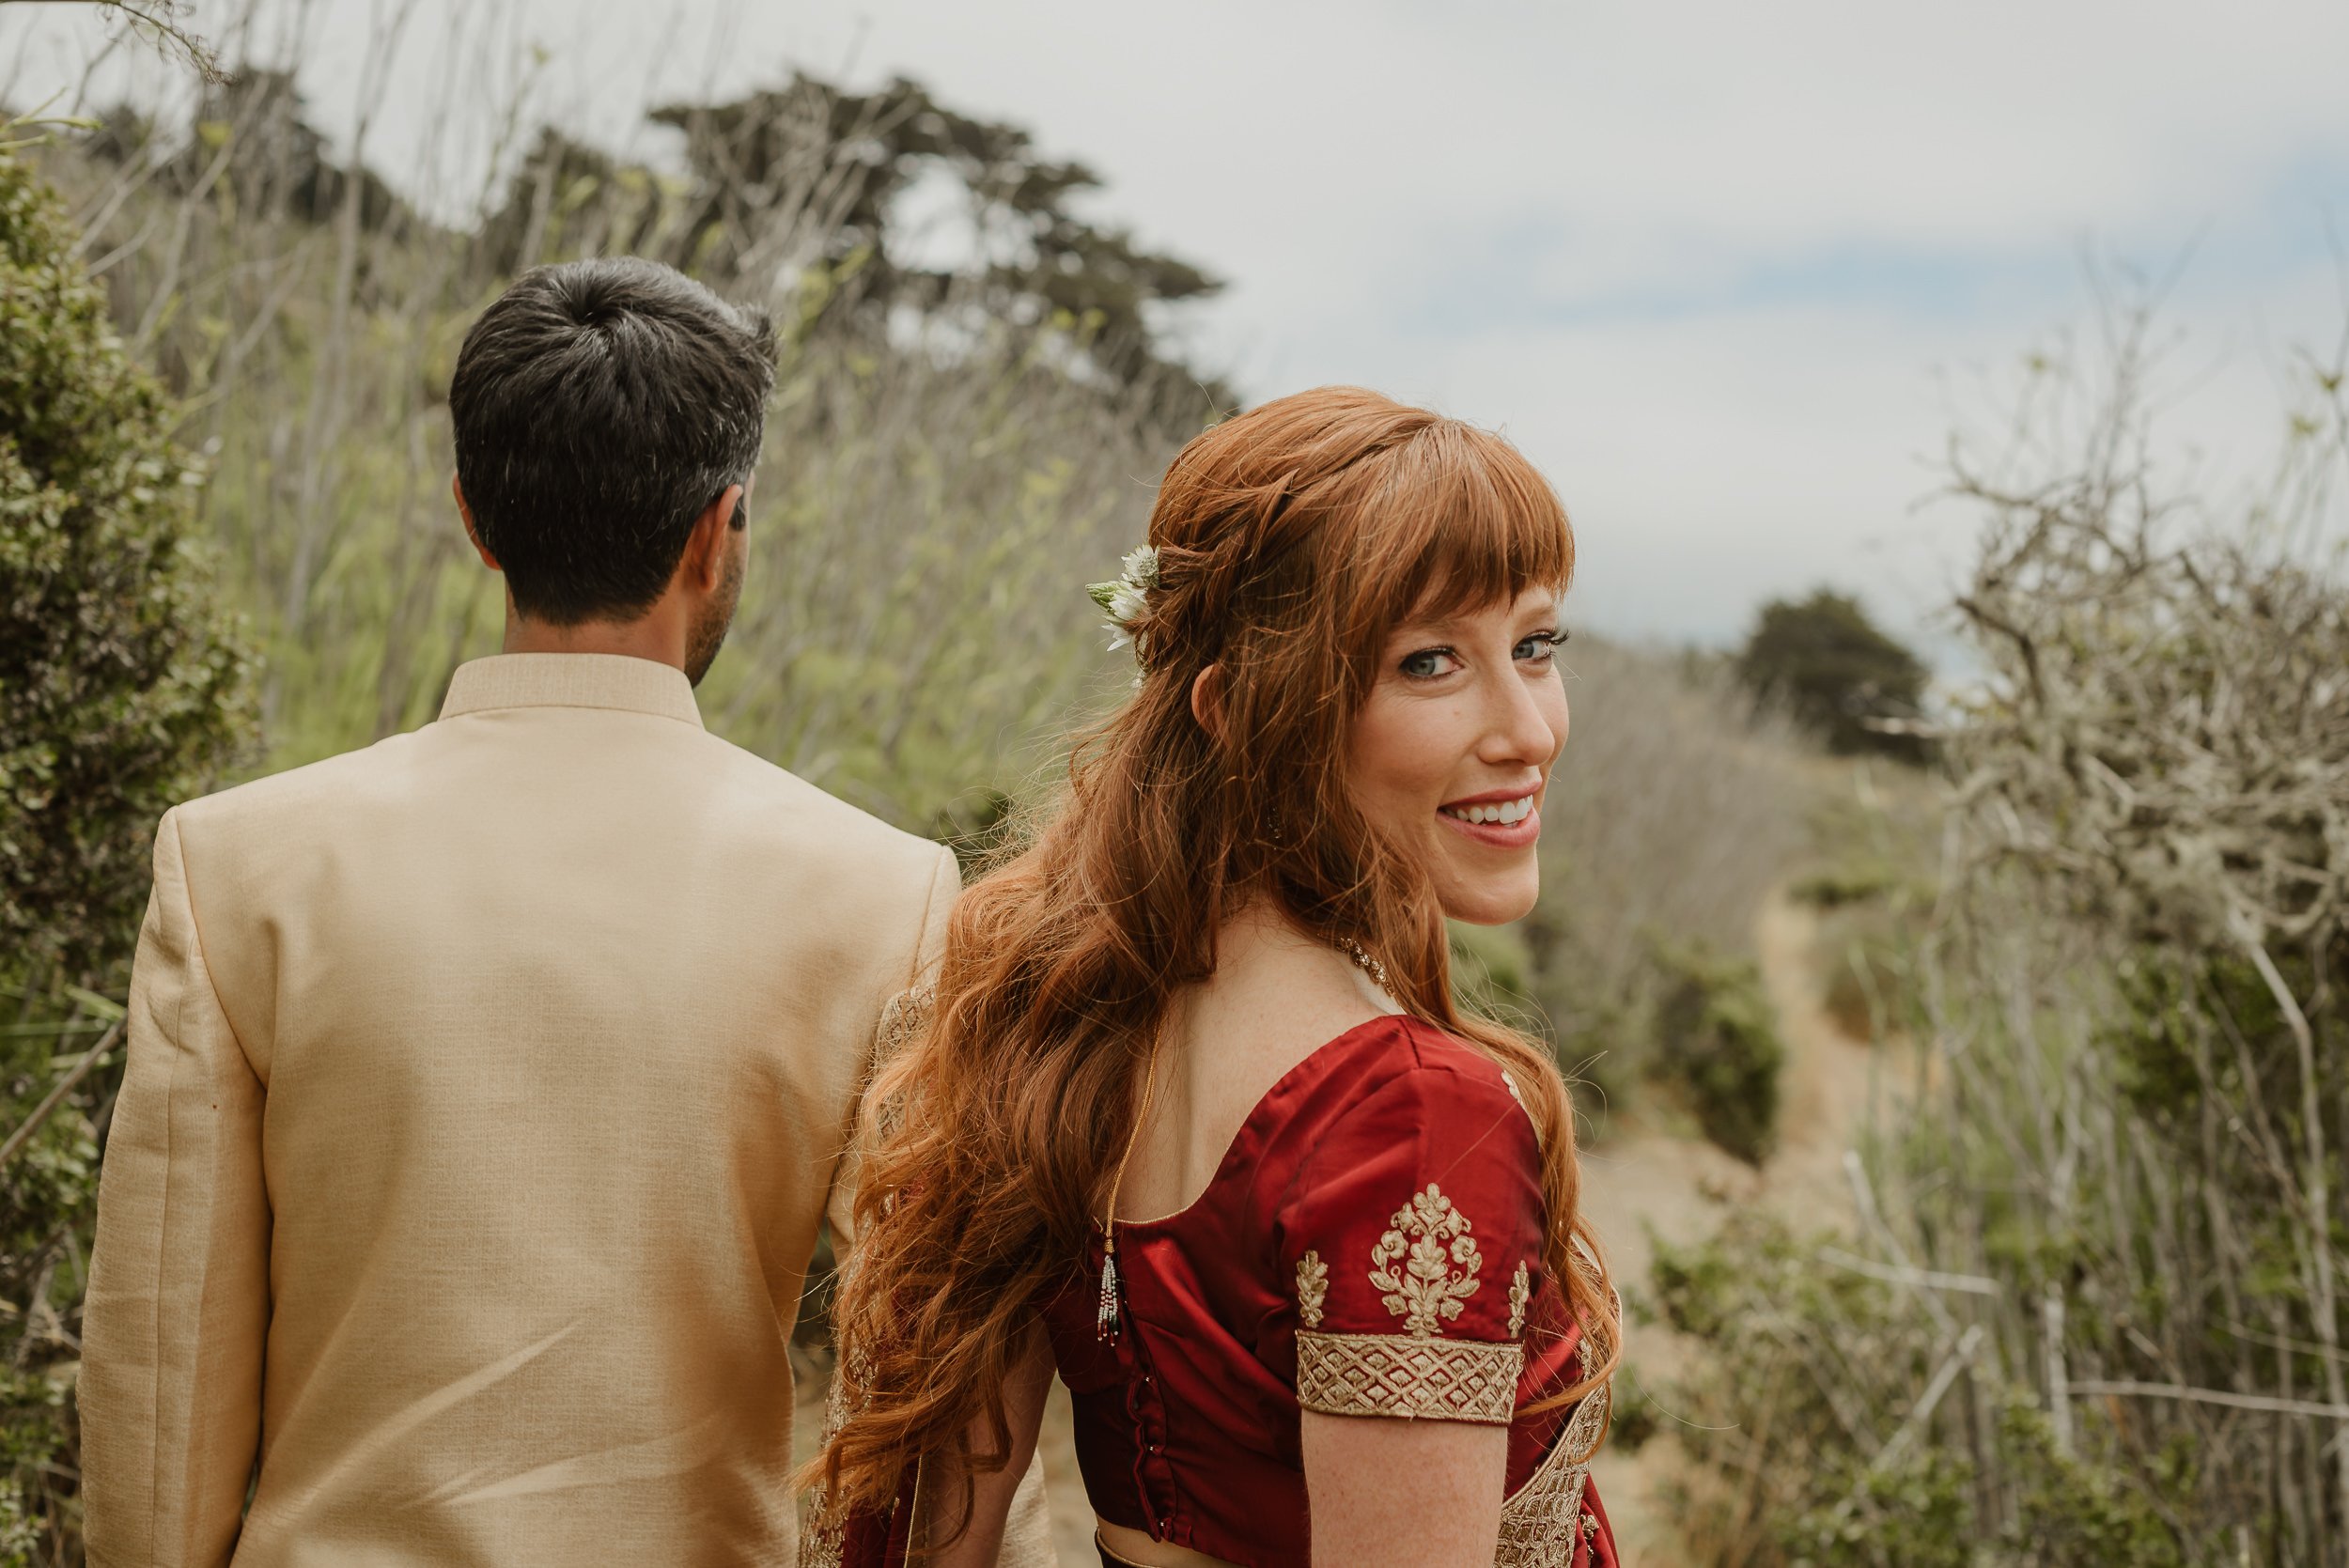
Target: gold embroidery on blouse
(1406, 1374)
(824, 1542)
(1441, 1268)
(906, 1016)
(1312, 1285)
(1543, 1520)
(1520, 1292)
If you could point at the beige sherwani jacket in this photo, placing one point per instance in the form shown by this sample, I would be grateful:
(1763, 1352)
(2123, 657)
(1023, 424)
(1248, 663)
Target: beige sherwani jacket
(486, 1089)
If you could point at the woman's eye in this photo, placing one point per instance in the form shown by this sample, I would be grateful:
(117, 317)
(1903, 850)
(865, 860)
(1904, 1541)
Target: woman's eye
(1427, 663)
(1541, 647)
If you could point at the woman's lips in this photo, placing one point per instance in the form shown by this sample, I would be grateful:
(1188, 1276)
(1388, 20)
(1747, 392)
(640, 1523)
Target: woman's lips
(1520, 834)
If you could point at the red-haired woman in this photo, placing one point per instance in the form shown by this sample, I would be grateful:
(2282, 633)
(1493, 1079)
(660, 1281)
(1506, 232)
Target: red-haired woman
(1195, 1116)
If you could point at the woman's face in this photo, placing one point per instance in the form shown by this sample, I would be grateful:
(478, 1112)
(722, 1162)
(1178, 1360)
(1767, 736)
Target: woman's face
(1451, 753)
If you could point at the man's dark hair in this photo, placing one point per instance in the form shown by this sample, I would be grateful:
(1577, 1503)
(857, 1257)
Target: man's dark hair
(599, 408)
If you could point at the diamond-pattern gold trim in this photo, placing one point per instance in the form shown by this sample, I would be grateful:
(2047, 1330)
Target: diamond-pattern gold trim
(1543, 1520)
(1404, 1374)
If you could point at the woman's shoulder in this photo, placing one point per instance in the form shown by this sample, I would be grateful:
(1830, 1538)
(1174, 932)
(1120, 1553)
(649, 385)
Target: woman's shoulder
(1398, 1106)
(1398, 1064)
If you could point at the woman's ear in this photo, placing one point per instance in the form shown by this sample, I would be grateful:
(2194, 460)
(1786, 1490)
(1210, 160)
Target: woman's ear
(1206, 700)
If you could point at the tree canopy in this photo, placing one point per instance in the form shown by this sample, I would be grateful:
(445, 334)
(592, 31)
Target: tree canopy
(812, 177)
(1835, 670)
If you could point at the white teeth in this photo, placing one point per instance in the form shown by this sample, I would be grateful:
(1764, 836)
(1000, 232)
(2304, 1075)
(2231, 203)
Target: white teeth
(1505, 813)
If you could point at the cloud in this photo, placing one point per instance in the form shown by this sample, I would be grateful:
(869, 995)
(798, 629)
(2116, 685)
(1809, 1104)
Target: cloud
(1705, 261)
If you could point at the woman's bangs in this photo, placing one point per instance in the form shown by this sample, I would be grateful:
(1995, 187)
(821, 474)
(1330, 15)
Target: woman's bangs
(1475, 524)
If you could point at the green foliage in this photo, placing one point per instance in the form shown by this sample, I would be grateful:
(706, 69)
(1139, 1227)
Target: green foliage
(1796, 1411)
(1493, 973)
(1717, 1041)
(1834, 669)
(1912, 1513)
(121, 684)
(123, 689)
(2075, 1513)
(48, 1202)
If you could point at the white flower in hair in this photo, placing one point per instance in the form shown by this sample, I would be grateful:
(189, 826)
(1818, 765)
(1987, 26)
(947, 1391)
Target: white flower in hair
(1128, 599)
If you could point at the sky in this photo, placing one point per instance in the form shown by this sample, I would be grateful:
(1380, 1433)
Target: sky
(1729, 272)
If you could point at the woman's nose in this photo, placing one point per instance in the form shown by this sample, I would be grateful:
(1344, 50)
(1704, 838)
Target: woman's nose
(1518, 731)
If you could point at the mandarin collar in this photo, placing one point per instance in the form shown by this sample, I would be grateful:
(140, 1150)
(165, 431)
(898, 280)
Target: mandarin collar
(572, 680)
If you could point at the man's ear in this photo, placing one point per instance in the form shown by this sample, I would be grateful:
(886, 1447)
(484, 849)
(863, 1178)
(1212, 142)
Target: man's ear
(456, 489)
(704, 560)
(1206, 700)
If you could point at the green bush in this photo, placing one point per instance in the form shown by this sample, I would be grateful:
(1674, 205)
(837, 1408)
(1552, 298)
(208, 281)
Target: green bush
(1716, 1040)
(121, 683)
(1828, 664)
(1800, 1411)
(122, 688)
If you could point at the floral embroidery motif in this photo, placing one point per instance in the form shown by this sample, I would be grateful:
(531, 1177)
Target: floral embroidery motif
(1439, 1263)
(1401, 1375)
(1511, 1084)
(1312, 1285)
(1520, 1292)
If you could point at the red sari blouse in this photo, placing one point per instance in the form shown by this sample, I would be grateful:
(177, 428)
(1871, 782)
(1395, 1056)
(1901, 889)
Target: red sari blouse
(1370, 1244)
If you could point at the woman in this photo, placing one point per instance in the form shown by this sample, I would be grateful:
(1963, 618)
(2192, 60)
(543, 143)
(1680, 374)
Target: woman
(1195, 1116)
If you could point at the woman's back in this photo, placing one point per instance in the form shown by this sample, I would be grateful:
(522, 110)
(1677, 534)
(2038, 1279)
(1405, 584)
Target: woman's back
(1276, 997)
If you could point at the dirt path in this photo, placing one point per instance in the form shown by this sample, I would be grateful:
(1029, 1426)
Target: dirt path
(1644, 1182)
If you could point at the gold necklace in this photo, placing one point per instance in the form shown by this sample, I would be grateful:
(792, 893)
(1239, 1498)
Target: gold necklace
(1370, 965)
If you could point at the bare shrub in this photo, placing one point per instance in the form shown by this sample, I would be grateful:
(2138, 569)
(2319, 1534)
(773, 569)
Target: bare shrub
(2111, 1219)
(1677, 808)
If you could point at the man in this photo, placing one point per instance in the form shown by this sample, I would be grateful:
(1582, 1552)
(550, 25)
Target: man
(487, 1087)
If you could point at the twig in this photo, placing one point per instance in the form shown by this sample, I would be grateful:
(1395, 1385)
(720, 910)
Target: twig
(2214, 1396)
(1922, 1412)
(1894, 1273)
(23, 1135)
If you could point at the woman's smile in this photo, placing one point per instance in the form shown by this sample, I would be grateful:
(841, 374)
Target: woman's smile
(1505, 819)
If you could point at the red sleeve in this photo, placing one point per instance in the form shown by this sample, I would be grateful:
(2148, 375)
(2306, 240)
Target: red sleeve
(1413, 1236)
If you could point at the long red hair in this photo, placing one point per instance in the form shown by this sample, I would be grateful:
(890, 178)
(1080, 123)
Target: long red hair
(1291, 541)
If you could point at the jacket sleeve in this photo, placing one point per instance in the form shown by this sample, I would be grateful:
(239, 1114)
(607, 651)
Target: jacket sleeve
(177, 1316)
(1413, 1242)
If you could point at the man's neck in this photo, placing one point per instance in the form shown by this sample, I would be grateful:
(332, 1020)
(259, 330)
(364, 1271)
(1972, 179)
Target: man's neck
(654, 636)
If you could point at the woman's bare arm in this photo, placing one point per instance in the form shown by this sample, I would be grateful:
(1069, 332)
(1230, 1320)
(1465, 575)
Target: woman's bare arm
(1387, 1492)
(994, 1493)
